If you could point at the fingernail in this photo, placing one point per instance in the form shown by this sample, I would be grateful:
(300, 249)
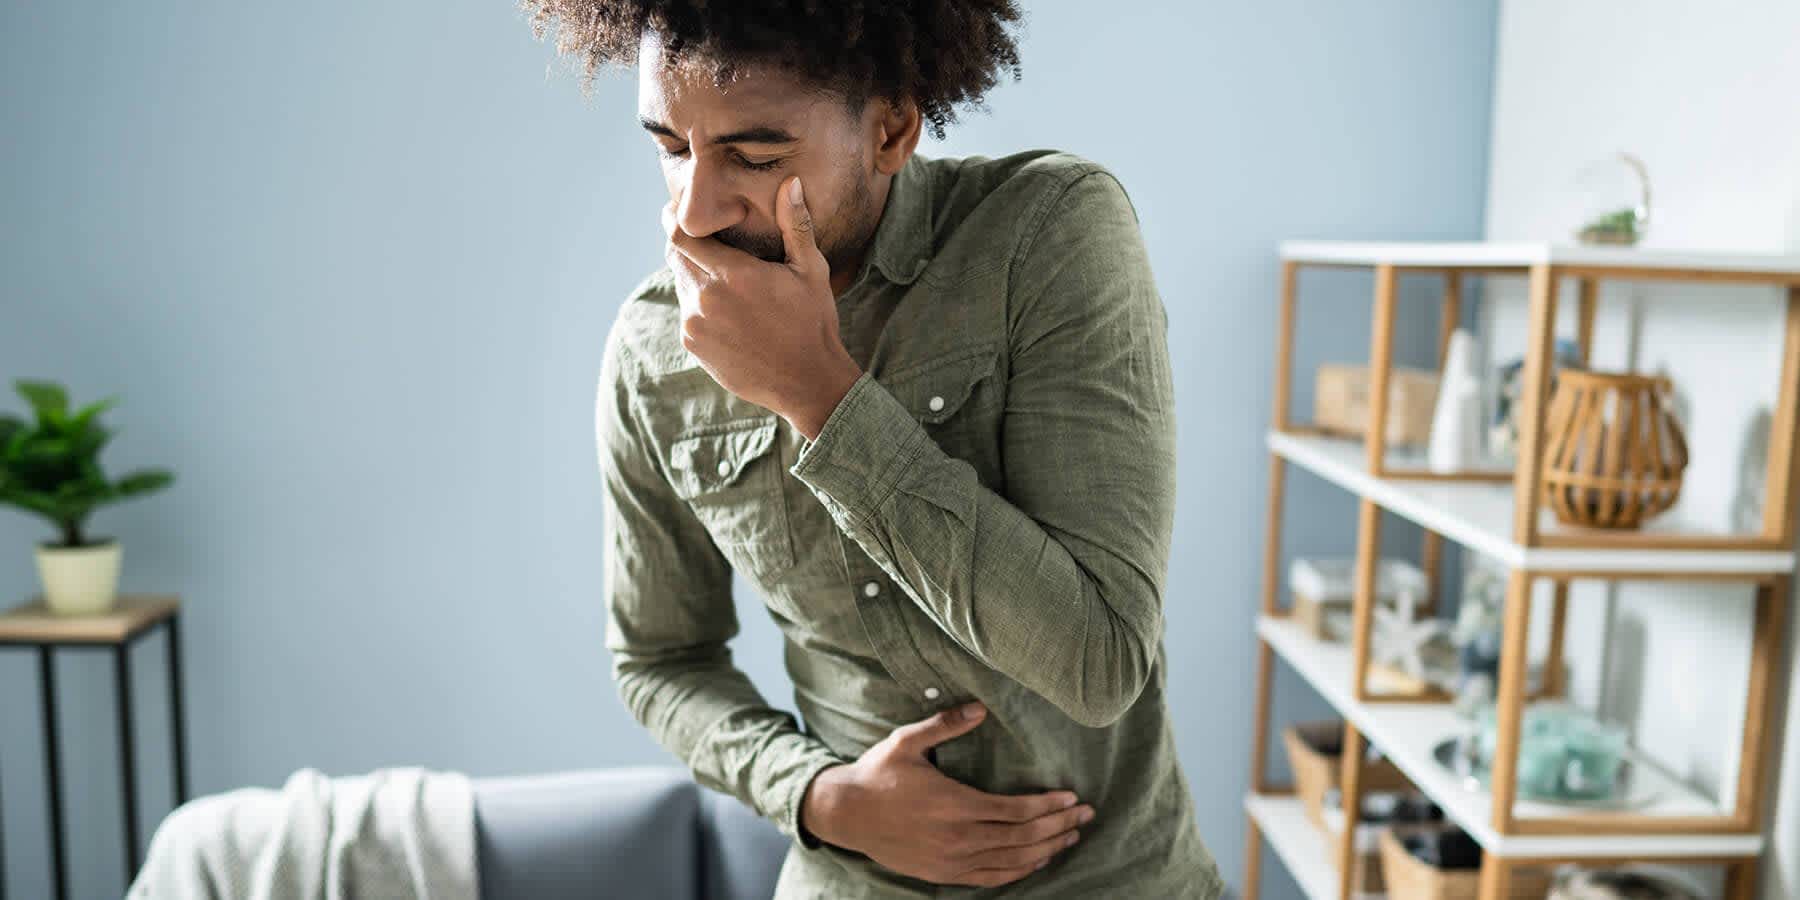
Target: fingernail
(1072, 838)
(794, 193)
(1086, 816)
(1042, 863)
(969, 710)
(1068, 800)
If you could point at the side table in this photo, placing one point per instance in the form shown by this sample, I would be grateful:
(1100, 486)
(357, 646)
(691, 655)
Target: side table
(135, 616)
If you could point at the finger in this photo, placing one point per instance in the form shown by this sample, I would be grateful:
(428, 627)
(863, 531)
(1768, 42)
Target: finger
(979, 804)
(1026, 855)
(916, 737)
(707, 254)
(688, 279)
(982, 836)
(796, 224)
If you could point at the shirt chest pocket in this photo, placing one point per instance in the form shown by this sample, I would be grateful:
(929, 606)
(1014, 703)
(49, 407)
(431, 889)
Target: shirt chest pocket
(956, 396)
(730, 475)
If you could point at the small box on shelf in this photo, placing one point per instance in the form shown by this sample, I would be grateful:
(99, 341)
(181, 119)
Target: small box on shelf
(1341, 402)
(1323, 590)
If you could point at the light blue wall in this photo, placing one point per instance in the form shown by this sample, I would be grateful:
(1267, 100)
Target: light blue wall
(350, 266)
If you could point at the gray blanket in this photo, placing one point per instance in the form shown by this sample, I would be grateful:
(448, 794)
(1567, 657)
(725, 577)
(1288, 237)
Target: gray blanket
(390, 833)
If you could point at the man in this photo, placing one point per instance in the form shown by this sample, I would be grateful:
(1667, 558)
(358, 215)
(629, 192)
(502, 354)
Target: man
(925, 407)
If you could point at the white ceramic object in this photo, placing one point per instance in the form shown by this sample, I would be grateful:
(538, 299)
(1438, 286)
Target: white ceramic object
(1455, 443)
(80, 581)
(1333, 580)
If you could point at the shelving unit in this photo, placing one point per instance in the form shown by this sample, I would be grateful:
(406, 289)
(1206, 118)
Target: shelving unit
(1499, 513)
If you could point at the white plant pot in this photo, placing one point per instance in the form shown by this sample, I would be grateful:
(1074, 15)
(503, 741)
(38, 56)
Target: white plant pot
(80, 581)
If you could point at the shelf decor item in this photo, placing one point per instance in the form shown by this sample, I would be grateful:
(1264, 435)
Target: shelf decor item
(1566, 756)
(1315, 751)
(1617, 200)
(1613, 451)
(1455, 876)
(1456, 422)
(1402, 811)
(1408, 642)
(1619, 883)
(1323, 590)
(1477, 633)
(51, 468)
(1503, 431)
(1341, 402)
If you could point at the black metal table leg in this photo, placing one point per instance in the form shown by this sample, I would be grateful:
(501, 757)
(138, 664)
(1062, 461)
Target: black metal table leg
(127, 756)
(53, 761)
(176, 721)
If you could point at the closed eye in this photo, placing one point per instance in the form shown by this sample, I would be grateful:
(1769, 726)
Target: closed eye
(741, 160)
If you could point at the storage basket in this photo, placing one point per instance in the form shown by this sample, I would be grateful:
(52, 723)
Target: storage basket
(1315, 772)
(1409, 878)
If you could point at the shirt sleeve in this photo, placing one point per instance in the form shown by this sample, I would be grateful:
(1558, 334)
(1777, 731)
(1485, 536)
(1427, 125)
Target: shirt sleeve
(1059, 582)
(669, 618)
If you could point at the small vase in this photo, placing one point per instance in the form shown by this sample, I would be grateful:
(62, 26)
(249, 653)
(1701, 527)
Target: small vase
(1455, 442)
(80, 581)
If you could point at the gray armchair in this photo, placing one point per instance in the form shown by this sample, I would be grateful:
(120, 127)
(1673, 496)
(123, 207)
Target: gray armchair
(649, 833)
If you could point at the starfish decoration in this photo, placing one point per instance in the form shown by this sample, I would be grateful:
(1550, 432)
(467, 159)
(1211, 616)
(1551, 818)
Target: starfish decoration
(1401, 637)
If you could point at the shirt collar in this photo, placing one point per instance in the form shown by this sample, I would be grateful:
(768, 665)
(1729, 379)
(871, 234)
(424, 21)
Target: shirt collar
(902, 243)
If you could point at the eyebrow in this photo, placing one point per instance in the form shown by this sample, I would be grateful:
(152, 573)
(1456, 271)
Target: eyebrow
(758, 134)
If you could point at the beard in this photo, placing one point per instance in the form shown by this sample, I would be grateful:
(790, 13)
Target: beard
(841, 240)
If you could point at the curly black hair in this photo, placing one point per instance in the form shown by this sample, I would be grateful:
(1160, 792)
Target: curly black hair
(938, 53)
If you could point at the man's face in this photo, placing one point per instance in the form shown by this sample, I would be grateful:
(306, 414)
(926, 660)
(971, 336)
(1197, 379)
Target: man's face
(726, 149)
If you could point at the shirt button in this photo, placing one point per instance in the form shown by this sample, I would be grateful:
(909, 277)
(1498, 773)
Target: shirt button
(937, 403)
(931, 693)
(871, 589)
(724, 467)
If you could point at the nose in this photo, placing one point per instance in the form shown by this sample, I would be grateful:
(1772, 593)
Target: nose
(704, 203)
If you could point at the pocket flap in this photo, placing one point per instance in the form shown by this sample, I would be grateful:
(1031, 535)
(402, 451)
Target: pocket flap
(703, 463)
(933, 390)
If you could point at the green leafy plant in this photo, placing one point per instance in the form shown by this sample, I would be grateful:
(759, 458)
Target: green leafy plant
(51, 467)
(1617, 227)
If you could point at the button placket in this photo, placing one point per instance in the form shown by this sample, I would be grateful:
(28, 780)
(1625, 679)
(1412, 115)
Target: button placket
(889, 639)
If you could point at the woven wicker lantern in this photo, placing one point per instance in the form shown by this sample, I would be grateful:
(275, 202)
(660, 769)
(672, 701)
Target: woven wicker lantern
(1613, 452)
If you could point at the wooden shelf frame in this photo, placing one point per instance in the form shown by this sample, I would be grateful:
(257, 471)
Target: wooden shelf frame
(1763, 559)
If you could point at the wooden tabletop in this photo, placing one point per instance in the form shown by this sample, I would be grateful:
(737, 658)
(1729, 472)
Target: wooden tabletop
(34, 623)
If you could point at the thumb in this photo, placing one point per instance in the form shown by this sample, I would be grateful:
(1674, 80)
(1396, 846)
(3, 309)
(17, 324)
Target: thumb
(796, 224)
(926, 733)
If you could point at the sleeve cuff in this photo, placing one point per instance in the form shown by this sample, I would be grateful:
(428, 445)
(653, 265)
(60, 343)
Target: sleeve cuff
(861, 449)
(789, 821)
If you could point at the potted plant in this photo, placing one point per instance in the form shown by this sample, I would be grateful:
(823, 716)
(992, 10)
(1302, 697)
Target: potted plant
(51, 468)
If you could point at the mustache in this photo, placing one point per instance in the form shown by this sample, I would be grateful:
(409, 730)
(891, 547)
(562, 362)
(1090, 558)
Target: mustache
(766, 247)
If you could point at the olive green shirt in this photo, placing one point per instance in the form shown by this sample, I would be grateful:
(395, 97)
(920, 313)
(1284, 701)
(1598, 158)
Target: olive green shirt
(985, 515)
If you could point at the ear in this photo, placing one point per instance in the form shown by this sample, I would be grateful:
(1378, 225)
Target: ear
(895, 132)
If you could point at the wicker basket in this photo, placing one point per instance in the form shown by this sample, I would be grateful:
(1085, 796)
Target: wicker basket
(1613, 453)
(1315, 772)
(1409, 878)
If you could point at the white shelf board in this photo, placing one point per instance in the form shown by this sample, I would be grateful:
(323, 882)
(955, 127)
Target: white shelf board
(1406, 732)
(1522, 254)
(1302, 847)
(1479, 515)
